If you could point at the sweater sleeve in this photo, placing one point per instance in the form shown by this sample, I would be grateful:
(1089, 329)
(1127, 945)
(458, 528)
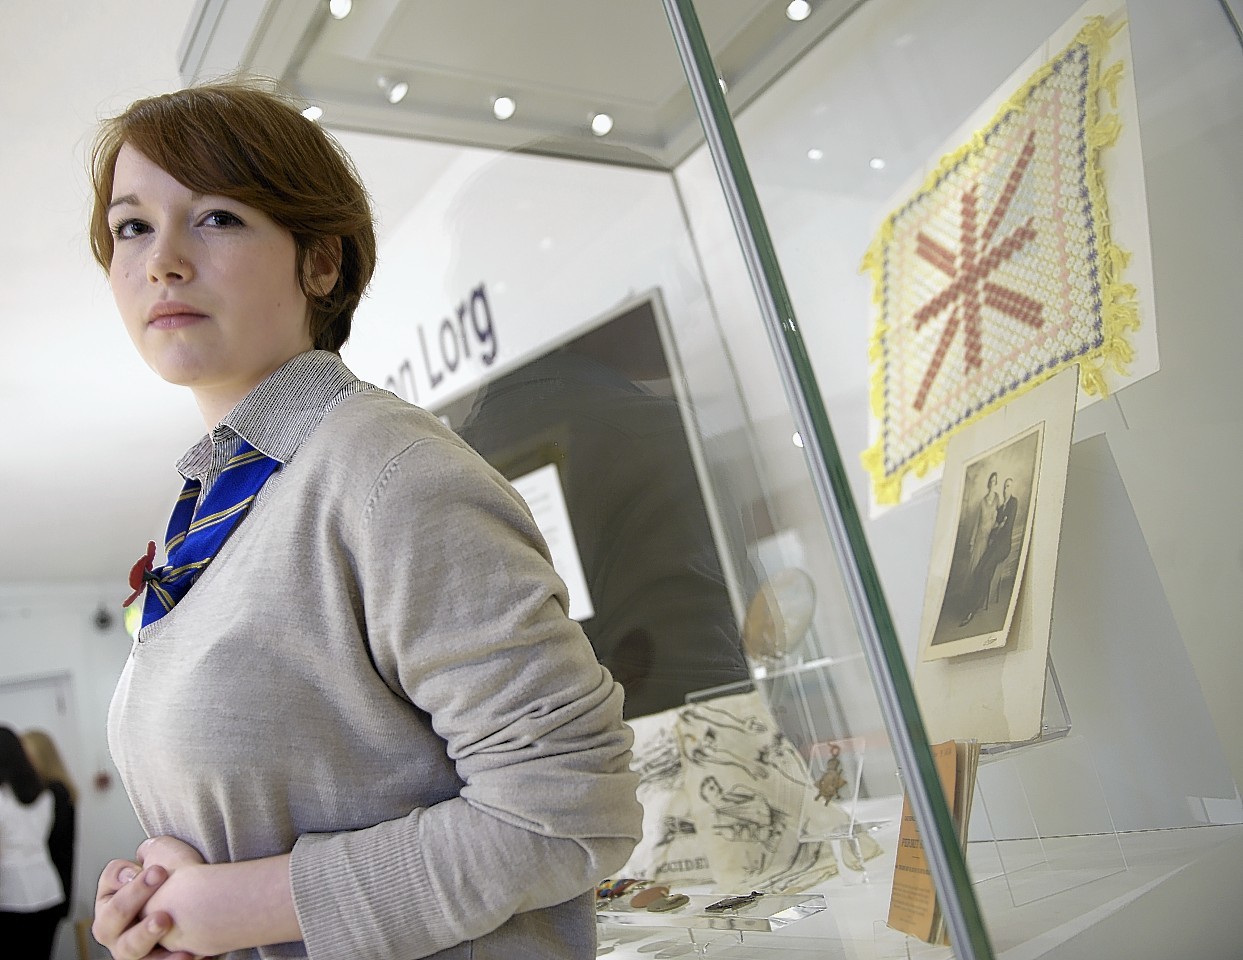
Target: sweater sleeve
(466, 616)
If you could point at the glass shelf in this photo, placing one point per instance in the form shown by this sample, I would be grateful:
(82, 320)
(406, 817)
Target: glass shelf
(770, 912)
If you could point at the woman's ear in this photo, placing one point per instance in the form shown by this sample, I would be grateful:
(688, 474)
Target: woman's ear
(323, 266)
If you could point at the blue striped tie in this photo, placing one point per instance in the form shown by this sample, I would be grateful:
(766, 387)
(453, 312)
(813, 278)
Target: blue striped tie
(196, 536)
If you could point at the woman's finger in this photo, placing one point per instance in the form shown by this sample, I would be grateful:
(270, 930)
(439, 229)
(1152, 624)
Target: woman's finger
(114, 876)
(142, 940)
(117, 924)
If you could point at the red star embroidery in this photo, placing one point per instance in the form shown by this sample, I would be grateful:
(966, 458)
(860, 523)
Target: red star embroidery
(971, 289)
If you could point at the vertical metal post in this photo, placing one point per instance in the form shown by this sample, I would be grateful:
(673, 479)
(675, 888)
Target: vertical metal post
(871, 614)
(1232, 19)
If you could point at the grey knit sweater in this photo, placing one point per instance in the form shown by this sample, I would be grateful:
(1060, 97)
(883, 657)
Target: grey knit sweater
(377, 673)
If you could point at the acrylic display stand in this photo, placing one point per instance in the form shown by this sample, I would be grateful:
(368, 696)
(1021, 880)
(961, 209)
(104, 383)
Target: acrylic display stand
(1049, 824)
(1040, 823)
(890, 944)
(770, 913)
(1055, 721)
(836, 769)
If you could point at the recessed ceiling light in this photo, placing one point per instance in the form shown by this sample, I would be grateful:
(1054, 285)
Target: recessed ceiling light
(815, 154)
(313, 112)
(797, 439)
(397, 91)
(601, 124)
(798, 10)
(340, 9)
(877, 163)
(503, 108)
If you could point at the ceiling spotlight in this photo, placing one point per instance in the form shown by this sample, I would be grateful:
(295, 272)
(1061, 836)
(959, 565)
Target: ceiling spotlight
(503, 108)
(877, 163)
(798, 10)
(396, 92)
(313, 112)
(340, 9)
(815, 153)
(601, 124)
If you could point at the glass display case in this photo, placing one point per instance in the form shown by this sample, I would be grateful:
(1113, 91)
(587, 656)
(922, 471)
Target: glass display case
(866, 366)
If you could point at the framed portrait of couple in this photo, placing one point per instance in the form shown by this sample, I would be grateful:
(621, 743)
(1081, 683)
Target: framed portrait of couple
(989, 552)
(988, 601)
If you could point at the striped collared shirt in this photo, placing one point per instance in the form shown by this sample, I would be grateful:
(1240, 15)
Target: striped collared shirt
(275, 417)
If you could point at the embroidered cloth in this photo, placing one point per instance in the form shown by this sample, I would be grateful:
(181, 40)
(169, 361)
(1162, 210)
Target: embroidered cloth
(1000, 270)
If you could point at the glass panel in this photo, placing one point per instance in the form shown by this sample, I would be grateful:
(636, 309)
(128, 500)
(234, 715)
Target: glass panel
(1104, 245)
(912, 907)
(542, 289)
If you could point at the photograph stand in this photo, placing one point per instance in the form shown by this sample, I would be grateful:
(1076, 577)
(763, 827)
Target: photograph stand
(1054, 722)
(1051, 828)
(891, 944)
(1035, 848)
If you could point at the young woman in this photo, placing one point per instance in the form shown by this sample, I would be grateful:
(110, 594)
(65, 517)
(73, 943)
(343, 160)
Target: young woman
(357, 722)
(62, 842)
(30, 891)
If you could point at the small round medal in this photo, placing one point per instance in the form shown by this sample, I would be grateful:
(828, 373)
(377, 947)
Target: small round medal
(641, 899)
(669, 902)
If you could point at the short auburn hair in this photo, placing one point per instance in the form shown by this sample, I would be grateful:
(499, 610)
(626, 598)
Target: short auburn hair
(243, 140)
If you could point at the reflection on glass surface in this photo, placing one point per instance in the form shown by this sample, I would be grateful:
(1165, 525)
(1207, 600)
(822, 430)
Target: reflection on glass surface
(673, 449)
(1143, 624)
(602, 410)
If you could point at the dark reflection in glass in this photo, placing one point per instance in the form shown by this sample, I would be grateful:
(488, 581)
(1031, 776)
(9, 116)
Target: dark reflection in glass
(601, 407)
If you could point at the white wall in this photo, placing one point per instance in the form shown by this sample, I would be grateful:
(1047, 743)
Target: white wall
(49, 631)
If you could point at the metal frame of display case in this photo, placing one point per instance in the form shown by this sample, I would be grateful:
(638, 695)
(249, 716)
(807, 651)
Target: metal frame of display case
(828, 477)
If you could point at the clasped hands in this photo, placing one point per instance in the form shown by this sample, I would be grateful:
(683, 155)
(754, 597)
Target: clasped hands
(143, 906)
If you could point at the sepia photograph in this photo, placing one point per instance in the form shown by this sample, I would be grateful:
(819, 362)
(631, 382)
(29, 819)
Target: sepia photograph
(998, 616)
(990, 547)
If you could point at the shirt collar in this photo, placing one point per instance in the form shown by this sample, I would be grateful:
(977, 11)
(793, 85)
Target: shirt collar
(280, 413)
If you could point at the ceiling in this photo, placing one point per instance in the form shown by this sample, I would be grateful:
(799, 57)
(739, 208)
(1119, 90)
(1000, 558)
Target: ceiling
(92, 433)
(562, 61)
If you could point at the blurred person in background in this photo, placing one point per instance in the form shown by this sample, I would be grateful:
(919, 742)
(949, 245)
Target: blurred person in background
(46, 759)
(31, 894)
